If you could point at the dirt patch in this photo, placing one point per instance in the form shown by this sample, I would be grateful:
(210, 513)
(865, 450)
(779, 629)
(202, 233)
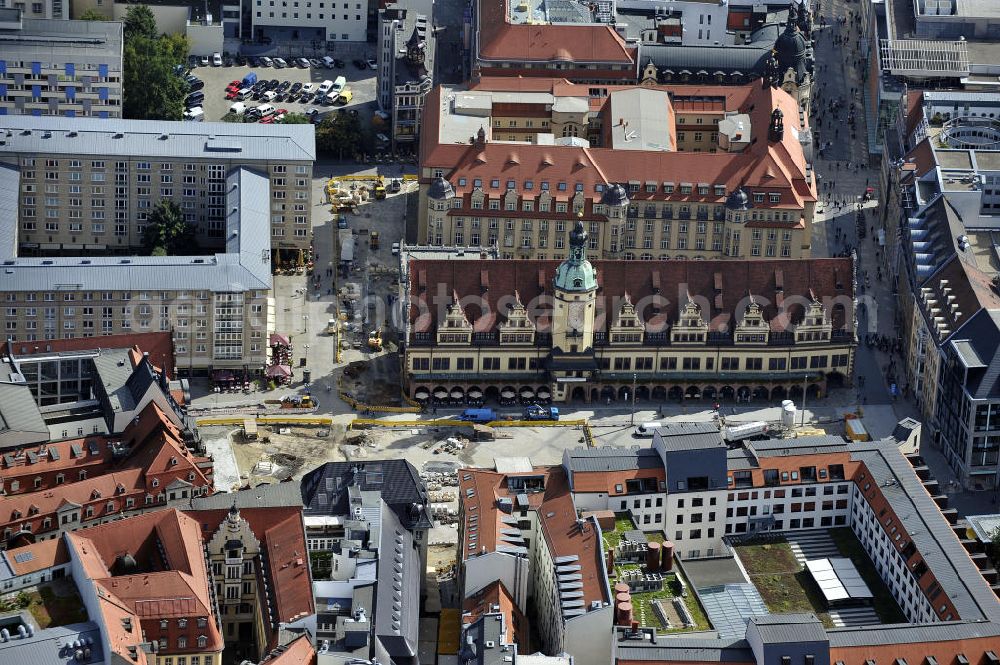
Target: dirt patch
(285, 452)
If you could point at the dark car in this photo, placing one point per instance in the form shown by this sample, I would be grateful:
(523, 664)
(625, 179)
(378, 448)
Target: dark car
(195, 85)
(296, 87)
(192, 61)
(281, 97)
(253, 61)
(360, 64)
(273, 84)
(338, 63)
(227, 61)
(193, 101)
(240, 61)
(284, 85)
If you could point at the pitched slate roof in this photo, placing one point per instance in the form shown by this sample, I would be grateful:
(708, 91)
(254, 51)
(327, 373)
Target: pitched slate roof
(396, 480)
(611, 458)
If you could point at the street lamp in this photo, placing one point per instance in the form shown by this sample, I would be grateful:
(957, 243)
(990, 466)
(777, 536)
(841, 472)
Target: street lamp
(305, 323)
(632, 417)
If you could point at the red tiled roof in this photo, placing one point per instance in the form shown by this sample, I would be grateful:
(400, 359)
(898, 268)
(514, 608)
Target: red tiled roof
(280, 531)
(298, 652)
(646, 282)
(159, 346)
(500, 40)
(556, 517)
(770, 166)
(496, 595)
(914, 110)
(156, 539)
(45, 554)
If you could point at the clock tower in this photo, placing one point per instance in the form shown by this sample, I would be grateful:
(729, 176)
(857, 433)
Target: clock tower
(575, 295)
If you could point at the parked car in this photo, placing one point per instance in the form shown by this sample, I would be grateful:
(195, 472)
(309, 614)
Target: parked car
(266, 61)
(266, 110)
(253, 61)
(338, 84)
(279, 63)
(232, 94)
(267, 120)
(192, 61)
(345, 96)
(324, 87)
(251, 115)
(203, 61)
(216, 59)
(303, 63)
(195, 114)
(240, 61)
(315, 63)
(360, 64)
(372, 63)
(234, 85)
(284, 85)
(227, 61)
(197, 84)
(269, 96)
(382, 138)
(273, 84)
(296, 87)
(309, 88)
(338, 63)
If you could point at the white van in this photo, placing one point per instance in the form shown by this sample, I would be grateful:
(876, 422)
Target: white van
(269, 96)
(328, 62)
(265, 110)
(238, 108)
(309, 88)
(339, 84)
(646, 430)
(332, 98)
(324, 87)
(244, 94)
(196, 114)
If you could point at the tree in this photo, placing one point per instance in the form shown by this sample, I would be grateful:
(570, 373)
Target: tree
(995, 547)
(139, 22)
(152, 91)
(295, 119)
(93, 15)
(232, 117)
(340, 133)
(166, 233)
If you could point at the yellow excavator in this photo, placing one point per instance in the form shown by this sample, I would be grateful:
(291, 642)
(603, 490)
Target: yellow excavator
(380, 187)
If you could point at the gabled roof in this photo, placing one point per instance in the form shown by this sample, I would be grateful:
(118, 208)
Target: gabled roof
(982, 335)
(644, 281)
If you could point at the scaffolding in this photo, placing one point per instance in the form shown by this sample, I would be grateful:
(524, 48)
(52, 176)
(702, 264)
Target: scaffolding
(924, 58)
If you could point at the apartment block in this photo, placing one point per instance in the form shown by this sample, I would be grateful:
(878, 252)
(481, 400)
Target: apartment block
(46, 9)
(86, 185)
(654, 172)
(309, 20)
(52, 66)
(214, 305)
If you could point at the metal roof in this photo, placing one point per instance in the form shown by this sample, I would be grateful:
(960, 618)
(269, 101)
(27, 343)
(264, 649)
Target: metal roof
(10, 189)
(60, 40)
(696, 649)
(807, 445)
(609, 458)
(689, 436)
(223, 142)
(48, 646)
(788, 628)
(245, 266)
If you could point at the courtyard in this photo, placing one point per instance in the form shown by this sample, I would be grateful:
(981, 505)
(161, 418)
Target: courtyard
(776, 568)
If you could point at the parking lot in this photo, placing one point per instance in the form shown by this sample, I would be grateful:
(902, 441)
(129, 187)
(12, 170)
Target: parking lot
(361, 83)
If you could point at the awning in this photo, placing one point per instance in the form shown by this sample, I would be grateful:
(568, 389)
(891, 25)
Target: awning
(421, 393)
(475, 393)
(223, 375)
(440, 393)
(278, 370)
(456, 393)
(544, 393)
(507, 393)
(527, 392)
(278, 339)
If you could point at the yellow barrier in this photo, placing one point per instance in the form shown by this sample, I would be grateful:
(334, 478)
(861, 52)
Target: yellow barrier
(446, 422)
(290, 419)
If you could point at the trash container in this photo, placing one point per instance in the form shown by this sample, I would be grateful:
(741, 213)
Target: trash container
(306, 376)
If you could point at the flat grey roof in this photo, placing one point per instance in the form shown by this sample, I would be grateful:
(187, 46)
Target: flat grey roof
(805, 445)
(245, 266)
(47, 647)
(10, 196)
(59, 41)
(222, 141)
(689, 436)
(611, 458)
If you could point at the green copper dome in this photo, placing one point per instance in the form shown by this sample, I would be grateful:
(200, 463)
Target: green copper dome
(576, 273)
